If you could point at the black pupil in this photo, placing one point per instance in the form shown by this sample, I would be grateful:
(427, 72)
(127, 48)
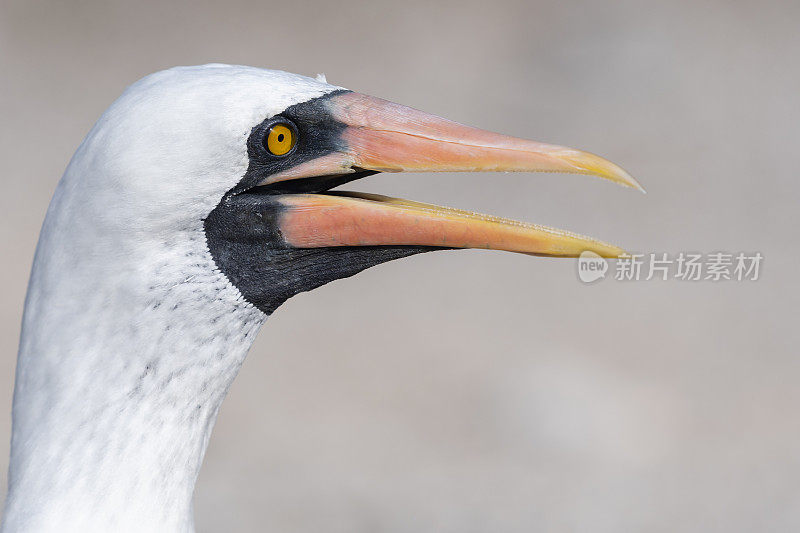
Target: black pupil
(280, 137)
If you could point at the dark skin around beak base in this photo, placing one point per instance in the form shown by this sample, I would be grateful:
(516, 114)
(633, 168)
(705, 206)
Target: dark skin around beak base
(282, 222)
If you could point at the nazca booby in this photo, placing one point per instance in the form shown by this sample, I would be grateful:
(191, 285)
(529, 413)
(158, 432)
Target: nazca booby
(197, 204)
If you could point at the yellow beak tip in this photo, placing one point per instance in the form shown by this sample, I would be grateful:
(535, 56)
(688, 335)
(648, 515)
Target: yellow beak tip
(632, 182)
(620, 176)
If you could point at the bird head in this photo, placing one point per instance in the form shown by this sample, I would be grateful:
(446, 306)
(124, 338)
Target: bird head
(247, 159)
(200, 201)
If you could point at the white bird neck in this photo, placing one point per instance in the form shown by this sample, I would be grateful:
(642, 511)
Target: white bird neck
(124, 362)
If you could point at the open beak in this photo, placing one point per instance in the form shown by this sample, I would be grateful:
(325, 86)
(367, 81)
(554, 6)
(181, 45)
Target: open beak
(382, 136)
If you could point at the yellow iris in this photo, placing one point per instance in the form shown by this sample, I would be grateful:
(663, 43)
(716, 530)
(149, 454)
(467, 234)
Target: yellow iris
(280, 139)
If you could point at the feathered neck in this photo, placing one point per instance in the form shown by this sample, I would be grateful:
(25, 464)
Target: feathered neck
(126, 354)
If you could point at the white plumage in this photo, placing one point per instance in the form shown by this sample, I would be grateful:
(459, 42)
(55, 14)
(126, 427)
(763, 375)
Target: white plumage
(199, 202)
(147, 355)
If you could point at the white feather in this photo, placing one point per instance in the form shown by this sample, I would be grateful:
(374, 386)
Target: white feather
(131, 336)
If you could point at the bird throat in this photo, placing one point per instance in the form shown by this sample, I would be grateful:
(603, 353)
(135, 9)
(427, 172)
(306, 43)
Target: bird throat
(118, 390)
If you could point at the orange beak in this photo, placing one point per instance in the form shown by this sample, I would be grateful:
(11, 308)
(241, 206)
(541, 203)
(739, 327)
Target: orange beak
(385, 137)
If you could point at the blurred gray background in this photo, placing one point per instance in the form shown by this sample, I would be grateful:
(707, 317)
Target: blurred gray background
(477, 391)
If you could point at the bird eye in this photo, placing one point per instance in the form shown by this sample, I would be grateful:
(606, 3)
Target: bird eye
(280, 139)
